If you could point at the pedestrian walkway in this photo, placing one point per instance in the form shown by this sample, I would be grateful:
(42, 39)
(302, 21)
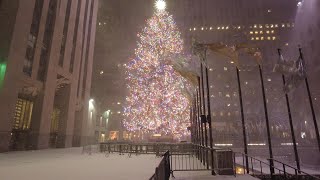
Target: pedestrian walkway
(205, 175)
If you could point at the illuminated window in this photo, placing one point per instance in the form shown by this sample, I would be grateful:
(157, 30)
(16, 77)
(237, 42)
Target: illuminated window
(276, 25)
(283, 25)
(272, 31)
(227, 27)
(257, 38)
(239, 27)
(261, 32)
(260, 26)
(255, 26)
(256, 32)
(251, 32)
(252, 38)
(228, 95)
(23, 114)
(269, 11)
(190, 29)
(218, 28)
(268, 32)
(271, 25)
(225, 68)
(222, 27)
(267, 25)
(273, 38)
(210, 28)
(262, 38)
(202, 28)
(194, 29)
(269, 38)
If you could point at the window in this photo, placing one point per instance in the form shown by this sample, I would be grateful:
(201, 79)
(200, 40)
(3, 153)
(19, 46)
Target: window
(55, 120)
(32, 38)
(23, 114)
(65, 33)
(75, 35)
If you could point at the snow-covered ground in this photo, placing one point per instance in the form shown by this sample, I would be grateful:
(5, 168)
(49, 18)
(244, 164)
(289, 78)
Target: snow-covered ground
(70, 164)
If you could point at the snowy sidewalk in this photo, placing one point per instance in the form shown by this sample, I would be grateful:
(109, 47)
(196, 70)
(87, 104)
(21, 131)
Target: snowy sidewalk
(70, 164)
(206, 175)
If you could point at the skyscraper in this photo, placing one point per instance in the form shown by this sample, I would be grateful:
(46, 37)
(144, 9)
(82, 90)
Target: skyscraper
(46, 53)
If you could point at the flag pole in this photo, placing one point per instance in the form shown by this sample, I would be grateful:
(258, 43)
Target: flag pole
(203, 116)
(243, 122)
(267, 122)
(209, 119)
(290, 122)
(200, 120)
(311, 103)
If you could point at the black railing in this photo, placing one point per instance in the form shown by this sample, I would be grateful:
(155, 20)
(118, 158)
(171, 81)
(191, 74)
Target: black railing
(259, 168)
(163, 171)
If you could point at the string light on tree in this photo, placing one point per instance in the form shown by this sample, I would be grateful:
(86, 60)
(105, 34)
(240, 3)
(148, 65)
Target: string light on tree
(156, 103)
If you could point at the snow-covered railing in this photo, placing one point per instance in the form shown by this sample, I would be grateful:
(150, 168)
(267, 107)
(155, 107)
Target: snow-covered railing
(260, 168)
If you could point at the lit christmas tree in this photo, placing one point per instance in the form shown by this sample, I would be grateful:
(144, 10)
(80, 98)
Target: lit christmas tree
(156, 102)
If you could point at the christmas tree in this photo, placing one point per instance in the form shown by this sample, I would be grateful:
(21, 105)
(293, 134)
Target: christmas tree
(156, 102)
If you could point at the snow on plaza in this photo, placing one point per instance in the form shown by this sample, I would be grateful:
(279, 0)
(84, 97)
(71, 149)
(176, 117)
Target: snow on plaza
(72, 164)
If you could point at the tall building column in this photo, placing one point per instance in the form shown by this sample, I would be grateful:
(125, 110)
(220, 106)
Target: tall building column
(15, 14)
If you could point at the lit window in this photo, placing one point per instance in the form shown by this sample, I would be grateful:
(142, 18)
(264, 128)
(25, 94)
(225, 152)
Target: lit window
(211, 69)
(287, 44)
(225, 68)
(262, 38)
(252, 38)
(227, 27)
(273, 38)
(251, 32)
(257, 38)
(99, 23)
(260, 26)
(190, 29)
(228, 95)
(101, 72)
(255, 26)
(269, 10)
(267, 25)
(218, 28)
(271, 26)
(246, 82)
(194, 29)
(283, 25)
(269, 79)
(272, 31)
(202, 28)
(276, 25)
(261, 32)
(239, 27)
(210, 28)
(268, 32)
(256, 32)
(222, 27)
(269, 38)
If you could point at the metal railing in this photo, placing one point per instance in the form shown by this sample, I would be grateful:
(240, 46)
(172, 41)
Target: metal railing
(259, 168)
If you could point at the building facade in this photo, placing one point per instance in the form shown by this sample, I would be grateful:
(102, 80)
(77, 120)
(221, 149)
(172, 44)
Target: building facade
(46, 53)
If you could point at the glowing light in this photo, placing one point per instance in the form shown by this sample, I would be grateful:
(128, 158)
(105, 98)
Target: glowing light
(156, 102)
(3, 68)
(161, 5)
(101, 72)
